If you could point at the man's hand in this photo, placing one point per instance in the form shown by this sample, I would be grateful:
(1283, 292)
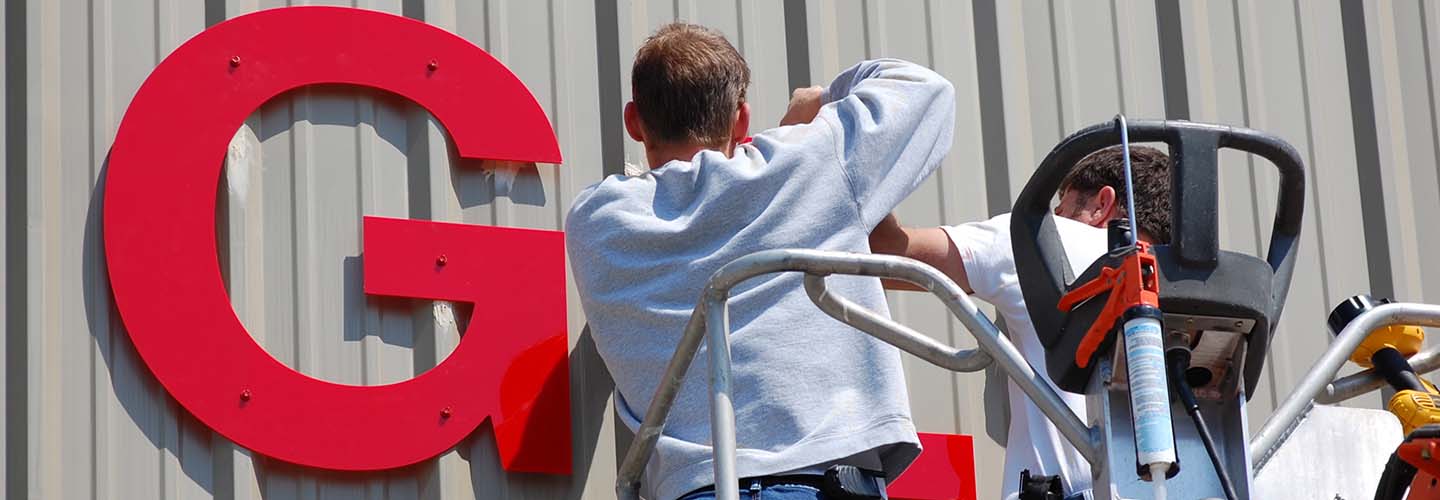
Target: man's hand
(804, 105)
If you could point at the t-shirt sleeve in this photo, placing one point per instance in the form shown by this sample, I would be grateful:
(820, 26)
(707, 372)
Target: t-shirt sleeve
(985, 250)
(893, 121)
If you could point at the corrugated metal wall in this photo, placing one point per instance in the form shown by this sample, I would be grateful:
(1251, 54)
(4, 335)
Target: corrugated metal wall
(1350, 84)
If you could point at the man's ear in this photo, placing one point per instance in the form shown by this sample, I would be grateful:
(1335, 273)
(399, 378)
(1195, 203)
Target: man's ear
(633, 125)
(742, 124)
(1106, 201)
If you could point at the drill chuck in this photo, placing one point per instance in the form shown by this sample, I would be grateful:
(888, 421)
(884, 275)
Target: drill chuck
(1384, 349)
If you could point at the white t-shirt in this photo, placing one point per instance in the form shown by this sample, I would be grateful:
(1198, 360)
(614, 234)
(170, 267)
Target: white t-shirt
(1033, 442)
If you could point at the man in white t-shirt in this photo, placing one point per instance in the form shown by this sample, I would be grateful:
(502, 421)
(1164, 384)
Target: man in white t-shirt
(978, 257)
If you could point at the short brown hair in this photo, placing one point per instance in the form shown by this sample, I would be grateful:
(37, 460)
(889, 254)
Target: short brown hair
(687, 82)
(1152, 184)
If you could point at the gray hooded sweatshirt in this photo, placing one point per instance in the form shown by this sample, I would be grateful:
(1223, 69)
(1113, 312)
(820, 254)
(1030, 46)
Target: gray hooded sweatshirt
(808, 390)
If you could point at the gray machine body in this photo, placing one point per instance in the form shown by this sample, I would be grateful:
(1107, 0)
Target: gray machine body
(1350, 462)
(1109, 414)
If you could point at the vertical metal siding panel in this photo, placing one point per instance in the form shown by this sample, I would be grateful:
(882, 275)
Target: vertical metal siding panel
(963, 198)
(898, 30)
(112, 404)
(1137, 40)
(117, 431)
(58, 334)
(1265, 58)
(6, 405)
(962, 189)
(1217, 71)
(522, 37)
(838, 37)
(1086, 58)
(1395, 171)
(577, 119)
(763, 43)
(1331, 154)
(1430, 24)
(39, 106)
(1211, 49)
(1272, 42)
(1030, 78)
(1249, 47)
(1408, 144)
(844, 33)
(638, 19)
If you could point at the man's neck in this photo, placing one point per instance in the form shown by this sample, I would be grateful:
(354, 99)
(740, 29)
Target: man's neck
(659, 155)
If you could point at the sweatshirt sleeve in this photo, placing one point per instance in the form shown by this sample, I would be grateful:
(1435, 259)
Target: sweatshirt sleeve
(893, 121)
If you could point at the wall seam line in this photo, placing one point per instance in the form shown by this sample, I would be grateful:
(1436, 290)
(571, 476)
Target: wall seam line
(1367, 148)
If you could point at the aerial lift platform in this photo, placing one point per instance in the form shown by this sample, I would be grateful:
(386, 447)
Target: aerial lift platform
(1147, 334)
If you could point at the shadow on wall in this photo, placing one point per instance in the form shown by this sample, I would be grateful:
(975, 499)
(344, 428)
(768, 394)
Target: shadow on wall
(475, 182)
(208, 460)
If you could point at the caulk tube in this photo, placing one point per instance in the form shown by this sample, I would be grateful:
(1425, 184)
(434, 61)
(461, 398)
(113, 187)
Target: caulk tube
(1149, 393)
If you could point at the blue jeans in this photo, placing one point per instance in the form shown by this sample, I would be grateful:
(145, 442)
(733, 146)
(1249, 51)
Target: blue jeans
(776, 492)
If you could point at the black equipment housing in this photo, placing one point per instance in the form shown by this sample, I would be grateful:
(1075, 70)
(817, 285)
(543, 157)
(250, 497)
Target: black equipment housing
(1196, 277)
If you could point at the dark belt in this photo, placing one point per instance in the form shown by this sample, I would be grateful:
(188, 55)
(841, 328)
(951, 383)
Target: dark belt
(812, 480)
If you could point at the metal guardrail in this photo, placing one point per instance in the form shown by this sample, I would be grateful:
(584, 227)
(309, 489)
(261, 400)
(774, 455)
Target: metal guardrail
(710, 320)
(1356, 384)
(1318, 384)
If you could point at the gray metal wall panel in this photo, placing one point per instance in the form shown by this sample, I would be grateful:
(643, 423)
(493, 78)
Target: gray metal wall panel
(5, 74)
(936, 34)
(1400, 57)
(1279, 67)
(306, 166)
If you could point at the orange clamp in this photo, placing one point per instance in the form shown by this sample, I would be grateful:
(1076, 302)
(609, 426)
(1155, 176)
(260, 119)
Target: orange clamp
(1129, 286)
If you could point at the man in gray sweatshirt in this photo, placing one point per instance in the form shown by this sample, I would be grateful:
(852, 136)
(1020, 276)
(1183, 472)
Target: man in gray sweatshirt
(809, 391)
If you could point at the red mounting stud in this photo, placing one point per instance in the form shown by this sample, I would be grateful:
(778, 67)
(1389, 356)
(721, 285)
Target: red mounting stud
(441, 260)
(434, 65)
(245, 395)
(235, 62)
(445, 412)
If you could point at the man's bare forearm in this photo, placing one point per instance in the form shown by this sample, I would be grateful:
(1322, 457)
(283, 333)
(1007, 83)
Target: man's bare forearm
(929, 245)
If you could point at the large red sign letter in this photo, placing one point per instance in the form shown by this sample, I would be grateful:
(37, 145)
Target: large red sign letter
(510, 366)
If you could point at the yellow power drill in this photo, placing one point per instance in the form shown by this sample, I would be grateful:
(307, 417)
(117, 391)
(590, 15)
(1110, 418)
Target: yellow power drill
(1385, 350)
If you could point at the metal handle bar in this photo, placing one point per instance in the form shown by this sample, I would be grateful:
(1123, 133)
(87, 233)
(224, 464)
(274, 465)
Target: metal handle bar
(1356, 384)
(817, 264)
(986, 335)
(1299, 402)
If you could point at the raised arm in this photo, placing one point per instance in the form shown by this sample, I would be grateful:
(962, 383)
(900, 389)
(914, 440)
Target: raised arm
(893, 121)
(926, 244)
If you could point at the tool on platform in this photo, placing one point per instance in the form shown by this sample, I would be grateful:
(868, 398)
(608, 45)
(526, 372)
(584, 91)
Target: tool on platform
(1206, 314)
(1415, 465)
